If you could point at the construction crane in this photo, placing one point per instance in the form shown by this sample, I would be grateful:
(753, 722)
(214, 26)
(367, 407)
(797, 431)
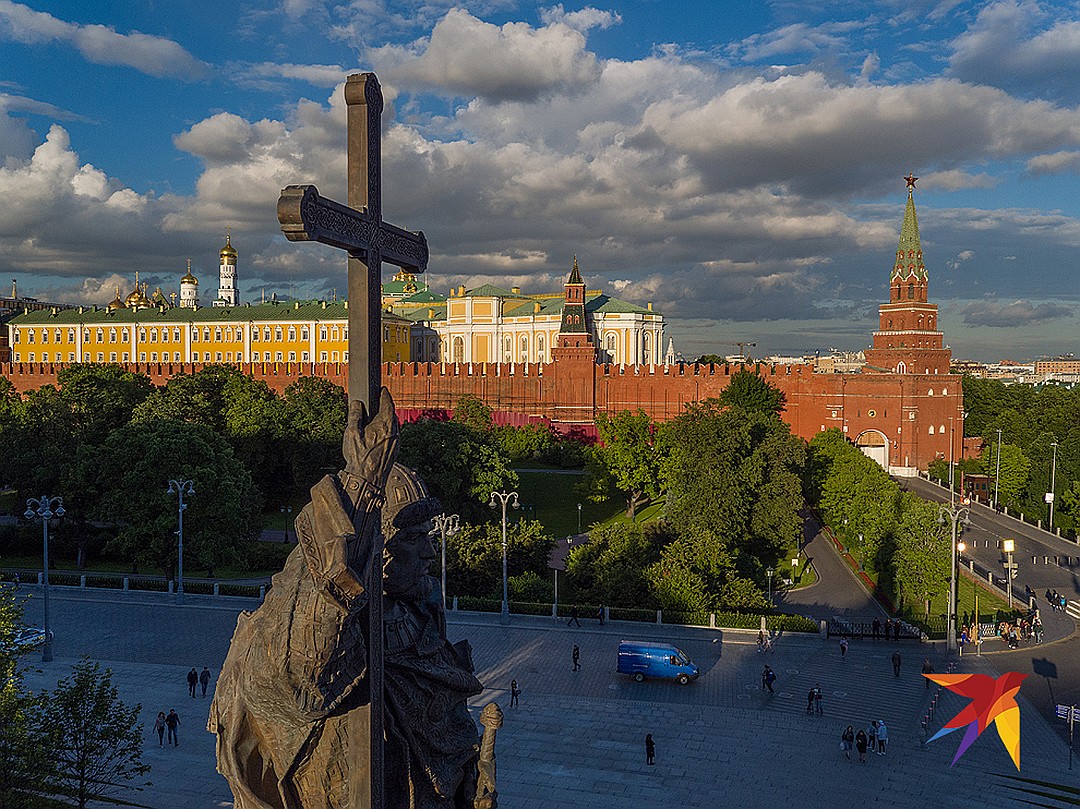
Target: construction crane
(743, 345)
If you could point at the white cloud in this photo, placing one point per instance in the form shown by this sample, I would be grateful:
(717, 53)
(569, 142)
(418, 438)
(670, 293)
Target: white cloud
(468, 57)
(318, 75)
(153, 55)
(582, 20)
(1056, 163)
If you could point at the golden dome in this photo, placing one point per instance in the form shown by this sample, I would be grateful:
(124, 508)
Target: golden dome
(228, 249)
(189, 278)
(132, 300)
(117, 302)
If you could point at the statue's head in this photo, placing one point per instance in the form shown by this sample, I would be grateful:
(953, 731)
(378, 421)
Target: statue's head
(407, 526)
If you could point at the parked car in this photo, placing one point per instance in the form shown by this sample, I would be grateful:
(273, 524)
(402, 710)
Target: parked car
(29, 637)
(641, 659)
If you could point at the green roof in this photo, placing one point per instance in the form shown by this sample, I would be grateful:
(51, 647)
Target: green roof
(492, 291)
(909, 260)
(603, 304)
(292, 310)
(424, 296)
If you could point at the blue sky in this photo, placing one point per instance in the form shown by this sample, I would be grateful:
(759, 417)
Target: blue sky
(736, 163)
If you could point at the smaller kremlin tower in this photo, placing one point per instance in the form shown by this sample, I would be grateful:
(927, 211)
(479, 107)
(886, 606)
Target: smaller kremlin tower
(189, 290)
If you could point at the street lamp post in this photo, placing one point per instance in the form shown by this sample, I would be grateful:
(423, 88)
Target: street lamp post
(45, 508)
(447, 525)
(286, 514)
(180, 487)
(1053, 476)
(862, 553)
(768, 574)
(1009, 546)
(997, 474)
(504, 498)
(579, 518)
(953, 513)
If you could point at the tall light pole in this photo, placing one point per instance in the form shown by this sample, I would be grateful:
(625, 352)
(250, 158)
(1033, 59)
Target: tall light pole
(1050, 495)
(286, 513)
(997, 474)
(447, 525)
(952, 441)
(768, 573)
(953, 513)
(1009, 546)
(504, 498)
(45, 508)
(579, 518)
(862, 552)
(180, 487)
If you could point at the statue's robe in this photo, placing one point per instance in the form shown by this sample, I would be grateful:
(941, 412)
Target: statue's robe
(291, 706)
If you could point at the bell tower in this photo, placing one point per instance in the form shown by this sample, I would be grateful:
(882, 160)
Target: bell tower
(908, 339)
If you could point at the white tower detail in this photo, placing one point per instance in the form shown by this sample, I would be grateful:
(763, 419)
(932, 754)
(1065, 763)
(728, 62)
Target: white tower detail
(228, 295)
(189, 290)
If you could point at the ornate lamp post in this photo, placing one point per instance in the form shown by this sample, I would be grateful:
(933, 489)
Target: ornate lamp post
(447, 525)
(579, 518)
(180, 487)
(862, 553)
(504, 498)
(997, 474)
(768, 573)
(286, 513)
(953, 513)
(45, 508)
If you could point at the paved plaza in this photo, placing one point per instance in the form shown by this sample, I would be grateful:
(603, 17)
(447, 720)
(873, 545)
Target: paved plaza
(576, 740)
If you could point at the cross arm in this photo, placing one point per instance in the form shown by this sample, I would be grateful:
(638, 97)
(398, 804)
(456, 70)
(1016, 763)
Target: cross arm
(307, 217)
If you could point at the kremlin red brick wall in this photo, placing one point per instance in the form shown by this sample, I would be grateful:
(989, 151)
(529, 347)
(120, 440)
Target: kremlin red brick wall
(911, 416)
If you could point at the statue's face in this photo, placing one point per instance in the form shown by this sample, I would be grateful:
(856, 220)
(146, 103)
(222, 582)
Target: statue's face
(409, 554)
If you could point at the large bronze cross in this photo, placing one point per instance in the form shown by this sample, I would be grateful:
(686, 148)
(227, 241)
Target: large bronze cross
(358, 228)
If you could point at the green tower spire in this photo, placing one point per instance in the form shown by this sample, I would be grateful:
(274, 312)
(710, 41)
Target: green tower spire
(909, 259)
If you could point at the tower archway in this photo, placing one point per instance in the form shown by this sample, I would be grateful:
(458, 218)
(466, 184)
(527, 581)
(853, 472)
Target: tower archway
(873, 444)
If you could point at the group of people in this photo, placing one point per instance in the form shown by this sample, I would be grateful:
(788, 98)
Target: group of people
(1020, 630)
(764, 642)
(195, 679)
(1057, 601)
(892, 629)
(874, 738)
(168, 722)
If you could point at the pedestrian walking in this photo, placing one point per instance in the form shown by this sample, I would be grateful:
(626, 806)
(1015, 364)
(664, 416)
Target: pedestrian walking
(896, 663)
(192, 681)
(573, 618)
(515, 692)
(768, 642)
(876, 627)
(761, 641)
(843, 648)
(817, 700)
(650, 749)
(847, 741)
(882, 736)
(962, 641)
(860, 745)
(159, 726)
(172, 722)
(1037, 629)
(204, 679)
(576, 655)
(888, 628)
(810, 702)
(600, 615)
(871, 736)
(768, 677)
(927, 669)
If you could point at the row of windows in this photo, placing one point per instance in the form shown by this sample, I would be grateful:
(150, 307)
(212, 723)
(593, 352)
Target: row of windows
(196, 356)
(228, 334)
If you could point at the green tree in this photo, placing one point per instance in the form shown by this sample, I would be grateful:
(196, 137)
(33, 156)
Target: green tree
(473, 413)
(460, 465)
(922, 556)
(97, 738)
(750, 392)
(474, 556)
(224, 511)
(314, 411)
(610, 568)
(24, 755)
(629, 455)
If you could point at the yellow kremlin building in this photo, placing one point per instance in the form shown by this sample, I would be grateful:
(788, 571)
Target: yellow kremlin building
(482, 325)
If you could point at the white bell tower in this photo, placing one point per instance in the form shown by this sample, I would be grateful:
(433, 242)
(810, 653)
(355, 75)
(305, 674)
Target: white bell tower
(228, 295)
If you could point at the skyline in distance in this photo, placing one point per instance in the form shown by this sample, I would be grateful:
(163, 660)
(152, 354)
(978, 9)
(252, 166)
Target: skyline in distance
(737, 164)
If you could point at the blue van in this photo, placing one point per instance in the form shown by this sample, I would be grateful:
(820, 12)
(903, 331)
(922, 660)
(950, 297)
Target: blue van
(641, 659)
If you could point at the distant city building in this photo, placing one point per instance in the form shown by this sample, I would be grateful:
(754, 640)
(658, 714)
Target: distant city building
(840, 362)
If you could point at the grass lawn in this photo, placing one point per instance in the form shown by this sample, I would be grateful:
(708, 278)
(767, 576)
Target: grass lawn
(550, 497)
(989, 602)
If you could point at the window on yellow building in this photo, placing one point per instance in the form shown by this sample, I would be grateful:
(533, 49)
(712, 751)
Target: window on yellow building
(17, 336)
(123, 335)
(44, 336)
(30, 337)
(218, 357)
(153, 356)
(126, 359)
(322, 332)
(292, 334)
(304, 334)
(278, 334)
(345, 334)
(30, 358)
(86, 335)
(305, 357)
(217, 335)
(266, 334)
(100, 356)
(112, 335)
(112, 356)
(335, 357)
(101, 335)
(322, 356)
(57, 335)
(280, 356)
(153, 335)
(176, 335)
(345, 358)
(142, 335)
(142, 356)
(292, 356)
(206, 334)
(71, 335)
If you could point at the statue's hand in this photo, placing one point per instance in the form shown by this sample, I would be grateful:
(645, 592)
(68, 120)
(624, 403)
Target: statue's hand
(371, 449)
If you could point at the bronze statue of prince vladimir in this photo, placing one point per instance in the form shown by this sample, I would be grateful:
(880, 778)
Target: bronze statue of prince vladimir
(291, 706)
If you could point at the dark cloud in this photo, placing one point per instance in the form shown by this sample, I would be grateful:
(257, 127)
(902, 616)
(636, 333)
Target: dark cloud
(1017, 314)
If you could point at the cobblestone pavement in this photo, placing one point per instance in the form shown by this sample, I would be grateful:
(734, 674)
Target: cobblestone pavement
(576, 740)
